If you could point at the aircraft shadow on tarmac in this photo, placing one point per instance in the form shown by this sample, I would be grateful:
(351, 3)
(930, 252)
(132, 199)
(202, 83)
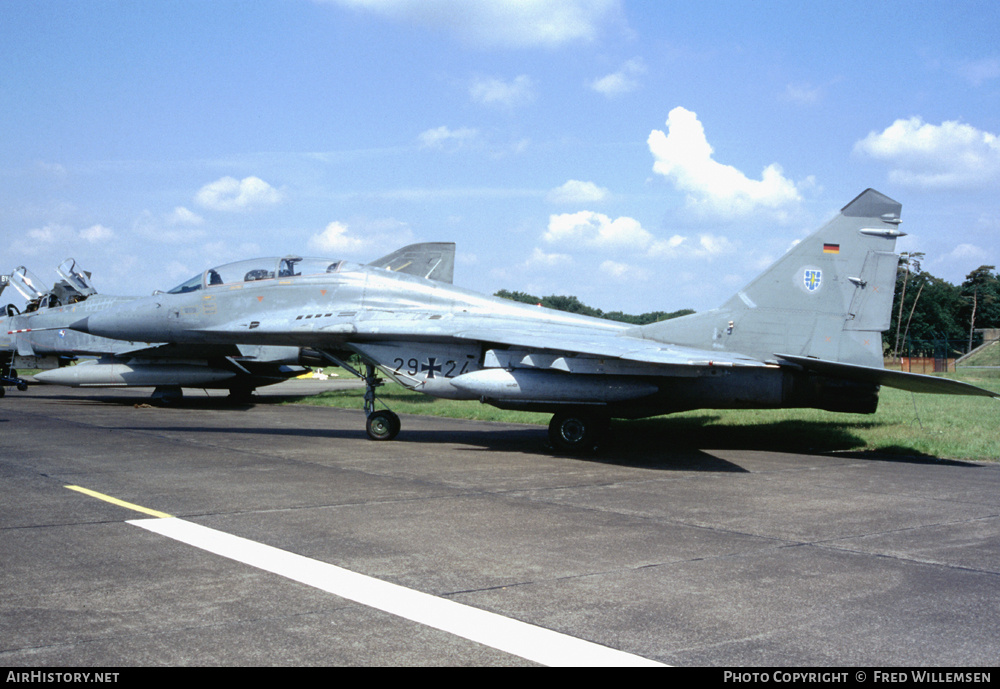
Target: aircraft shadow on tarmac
(666, 443)
(787, 436)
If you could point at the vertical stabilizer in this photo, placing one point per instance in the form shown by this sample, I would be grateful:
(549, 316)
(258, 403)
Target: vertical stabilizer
(431, 260)
(829, 297)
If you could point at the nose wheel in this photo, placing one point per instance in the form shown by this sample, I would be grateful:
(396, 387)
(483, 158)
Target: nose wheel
(382, 424)
(9, 377)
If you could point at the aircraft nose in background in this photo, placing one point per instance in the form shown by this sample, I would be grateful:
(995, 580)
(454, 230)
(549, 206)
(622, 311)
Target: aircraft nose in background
(82, 326)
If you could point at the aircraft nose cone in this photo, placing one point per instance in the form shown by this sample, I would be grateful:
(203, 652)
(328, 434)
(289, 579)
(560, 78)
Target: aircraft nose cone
(81, 326)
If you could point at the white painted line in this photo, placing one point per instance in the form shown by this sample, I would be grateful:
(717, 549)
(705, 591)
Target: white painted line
(527, 641)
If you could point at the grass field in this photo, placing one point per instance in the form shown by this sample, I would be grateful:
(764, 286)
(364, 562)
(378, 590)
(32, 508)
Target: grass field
(906, 424)
(988, 355)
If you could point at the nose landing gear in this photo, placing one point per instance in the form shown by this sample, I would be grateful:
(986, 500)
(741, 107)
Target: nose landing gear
(8, 376)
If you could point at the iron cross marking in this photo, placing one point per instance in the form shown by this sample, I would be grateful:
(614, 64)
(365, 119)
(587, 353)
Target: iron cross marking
(431, 366)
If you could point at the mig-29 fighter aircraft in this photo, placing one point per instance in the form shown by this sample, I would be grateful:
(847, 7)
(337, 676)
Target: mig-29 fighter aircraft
(37, 339)
(805, 333)
(34, 339)
(8, 374)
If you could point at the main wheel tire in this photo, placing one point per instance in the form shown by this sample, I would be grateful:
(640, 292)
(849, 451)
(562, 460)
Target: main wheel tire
(576, 433)
(167, 395)
(241, 395)
(382, 425)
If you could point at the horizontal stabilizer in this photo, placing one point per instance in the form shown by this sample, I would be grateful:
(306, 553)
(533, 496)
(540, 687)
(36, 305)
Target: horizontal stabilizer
(914, 382)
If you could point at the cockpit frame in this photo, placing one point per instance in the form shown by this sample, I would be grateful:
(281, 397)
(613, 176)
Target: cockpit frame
(254, 270)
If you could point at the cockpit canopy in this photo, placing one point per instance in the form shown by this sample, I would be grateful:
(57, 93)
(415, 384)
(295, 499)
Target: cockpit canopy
(74, 287)
(28, 284)
(76, 279)
(259, 269)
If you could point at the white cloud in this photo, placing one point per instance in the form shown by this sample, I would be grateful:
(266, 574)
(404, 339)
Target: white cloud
(949, 155)
(575, 191)
(624, 80)
(374, 237)
(707, 246)
(334, 239)
(597, 230)
(47, 234)
(623, 271)
(802, 94)
(38, 241)
(956, 264)
(666, 248)
(538, 23)
(540, 258)
(176, 270)
(508, 94)
(152, 228)
(96, 233)
(684, 156)
(712, 245)
(230, 194)
(183, 216)
(968, 253)
(441, 136)
(976, 72)
(55, 170)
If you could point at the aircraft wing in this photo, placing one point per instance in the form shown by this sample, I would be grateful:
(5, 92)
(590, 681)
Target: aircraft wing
(606, 345)
(175, 351)
(666, 359)
(606, 341)
(652, 357)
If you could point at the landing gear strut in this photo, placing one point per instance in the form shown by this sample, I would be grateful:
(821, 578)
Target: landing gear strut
(382, 424)
(242, 394)
(8, 376)
(167, 395)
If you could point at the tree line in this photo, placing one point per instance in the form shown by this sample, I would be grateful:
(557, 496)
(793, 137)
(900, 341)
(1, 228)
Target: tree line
(930, 316)
(574, 305)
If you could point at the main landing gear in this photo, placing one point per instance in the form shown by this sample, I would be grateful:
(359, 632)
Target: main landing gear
(577, 432)
(167, 395)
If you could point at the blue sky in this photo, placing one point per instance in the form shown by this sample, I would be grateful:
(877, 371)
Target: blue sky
(639, 155)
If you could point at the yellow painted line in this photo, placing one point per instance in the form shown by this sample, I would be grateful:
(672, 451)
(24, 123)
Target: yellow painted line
(120, 503)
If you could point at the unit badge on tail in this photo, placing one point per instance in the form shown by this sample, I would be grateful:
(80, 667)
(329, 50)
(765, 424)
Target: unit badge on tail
(812, 278)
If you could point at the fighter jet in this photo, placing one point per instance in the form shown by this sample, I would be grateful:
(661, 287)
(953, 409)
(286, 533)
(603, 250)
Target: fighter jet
(805, 333)
(37, 338)
(29, 339)
(8, 374)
